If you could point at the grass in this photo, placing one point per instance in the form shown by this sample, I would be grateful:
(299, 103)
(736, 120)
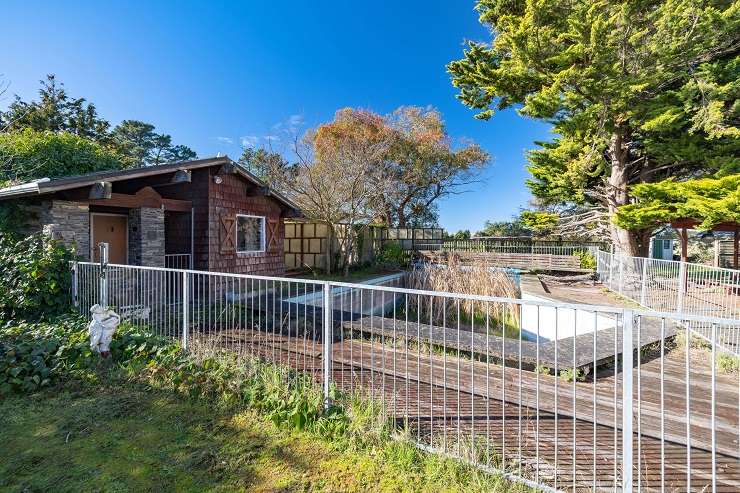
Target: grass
(153, 418)
(725, 362)
(475, 279)
(134, 438)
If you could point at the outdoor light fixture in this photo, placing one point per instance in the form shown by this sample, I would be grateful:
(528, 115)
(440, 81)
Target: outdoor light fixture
(217, 180)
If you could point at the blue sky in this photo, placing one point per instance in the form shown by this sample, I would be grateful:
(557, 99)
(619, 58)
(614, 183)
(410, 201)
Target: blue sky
(216, 74)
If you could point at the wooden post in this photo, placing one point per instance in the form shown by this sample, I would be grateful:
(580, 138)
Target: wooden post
(683, 269)
(716, 251)
(735, 239)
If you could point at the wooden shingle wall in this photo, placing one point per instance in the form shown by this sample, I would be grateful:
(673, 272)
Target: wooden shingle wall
(227, 199)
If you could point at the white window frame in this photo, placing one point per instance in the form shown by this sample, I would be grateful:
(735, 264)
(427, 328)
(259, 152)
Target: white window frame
(262, 233)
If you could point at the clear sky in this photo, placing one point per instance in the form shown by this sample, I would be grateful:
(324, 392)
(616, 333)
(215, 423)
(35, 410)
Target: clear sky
(217, 74)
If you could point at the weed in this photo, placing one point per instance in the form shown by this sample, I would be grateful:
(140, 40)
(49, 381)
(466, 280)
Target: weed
(727, 363)
(569, 374)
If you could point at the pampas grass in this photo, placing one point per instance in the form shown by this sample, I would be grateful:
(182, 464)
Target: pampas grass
(477, 279)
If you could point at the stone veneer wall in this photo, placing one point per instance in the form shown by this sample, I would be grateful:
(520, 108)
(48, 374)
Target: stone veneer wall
(68, 222)
(146, 237)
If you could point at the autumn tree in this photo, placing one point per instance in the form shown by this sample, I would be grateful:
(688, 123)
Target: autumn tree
(636, 91)
(334, 179)
(423, 166)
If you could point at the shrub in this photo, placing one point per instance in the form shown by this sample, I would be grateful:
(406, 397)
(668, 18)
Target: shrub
(38, 354)
(392, 255)
(728, 363)
(35, 279)
(587, 259)
(29, 154)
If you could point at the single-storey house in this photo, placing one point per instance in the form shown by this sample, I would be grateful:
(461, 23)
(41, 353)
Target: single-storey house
(208, 214)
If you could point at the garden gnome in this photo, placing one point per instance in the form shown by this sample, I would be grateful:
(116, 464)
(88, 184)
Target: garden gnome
(103, 324)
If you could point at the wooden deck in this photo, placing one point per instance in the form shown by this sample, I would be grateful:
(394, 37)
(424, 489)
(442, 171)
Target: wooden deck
(518, 419)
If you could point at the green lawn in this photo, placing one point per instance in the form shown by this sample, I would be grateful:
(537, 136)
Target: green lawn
(126, 437)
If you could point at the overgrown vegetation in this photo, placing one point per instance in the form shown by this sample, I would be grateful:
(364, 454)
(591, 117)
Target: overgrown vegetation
(28, 154)
(392, 256)
(586, 259)
(725, 362)
(222, 390)
(60, 135)
(478, 279)
(35, 278)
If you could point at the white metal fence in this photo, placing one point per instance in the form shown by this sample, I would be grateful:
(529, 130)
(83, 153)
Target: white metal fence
(668, 285)
(619, 407)
(178, 261)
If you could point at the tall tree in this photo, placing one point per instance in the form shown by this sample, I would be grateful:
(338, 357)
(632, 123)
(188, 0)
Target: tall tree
(142, 146)
(55, 111)
(423, 166)
(636, 90)
(264, 163)
(335, 177)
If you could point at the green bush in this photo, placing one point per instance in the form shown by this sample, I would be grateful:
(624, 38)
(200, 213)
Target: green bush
(392, 255)
(586, 258)
(36, 277)
(29, 154)
(38, 354)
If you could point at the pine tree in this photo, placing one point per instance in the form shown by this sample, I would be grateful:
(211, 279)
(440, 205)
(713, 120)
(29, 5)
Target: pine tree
(636, 91)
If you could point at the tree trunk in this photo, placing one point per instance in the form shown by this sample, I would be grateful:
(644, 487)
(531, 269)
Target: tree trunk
(616, 192)
(684, 245)
(347, 250)
(329, 248)
(401, 217)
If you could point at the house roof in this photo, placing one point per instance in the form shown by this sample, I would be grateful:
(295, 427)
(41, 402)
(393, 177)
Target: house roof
(46, 185)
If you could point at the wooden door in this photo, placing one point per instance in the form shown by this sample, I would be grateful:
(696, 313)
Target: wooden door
(111, 229)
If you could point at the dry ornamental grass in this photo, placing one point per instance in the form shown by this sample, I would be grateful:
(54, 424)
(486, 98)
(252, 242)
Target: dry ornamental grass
(478, 279)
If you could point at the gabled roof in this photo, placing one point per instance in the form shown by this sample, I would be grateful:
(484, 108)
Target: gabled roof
(46, 185)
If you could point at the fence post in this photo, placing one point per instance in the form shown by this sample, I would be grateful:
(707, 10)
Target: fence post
(185, 308)
(328, 335)
(103, 274)
(643, 288)
(620, 287)
(627, 375)
(681, 285)
(611, 270)
(75, 285)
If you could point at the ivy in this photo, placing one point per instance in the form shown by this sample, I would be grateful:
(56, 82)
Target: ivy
(35, 281)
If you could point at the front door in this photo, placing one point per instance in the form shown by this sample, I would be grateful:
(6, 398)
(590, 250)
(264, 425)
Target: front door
(111, 229)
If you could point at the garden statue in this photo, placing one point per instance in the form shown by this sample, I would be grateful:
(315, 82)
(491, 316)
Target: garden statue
(103, 324)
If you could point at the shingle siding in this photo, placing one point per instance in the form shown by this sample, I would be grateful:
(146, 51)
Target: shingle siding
(234, 196)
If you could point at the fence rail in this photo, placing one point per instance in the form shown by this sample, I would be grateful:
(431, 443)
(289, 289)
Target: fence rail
(524, 249)
(672, 286)
(613, 405)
